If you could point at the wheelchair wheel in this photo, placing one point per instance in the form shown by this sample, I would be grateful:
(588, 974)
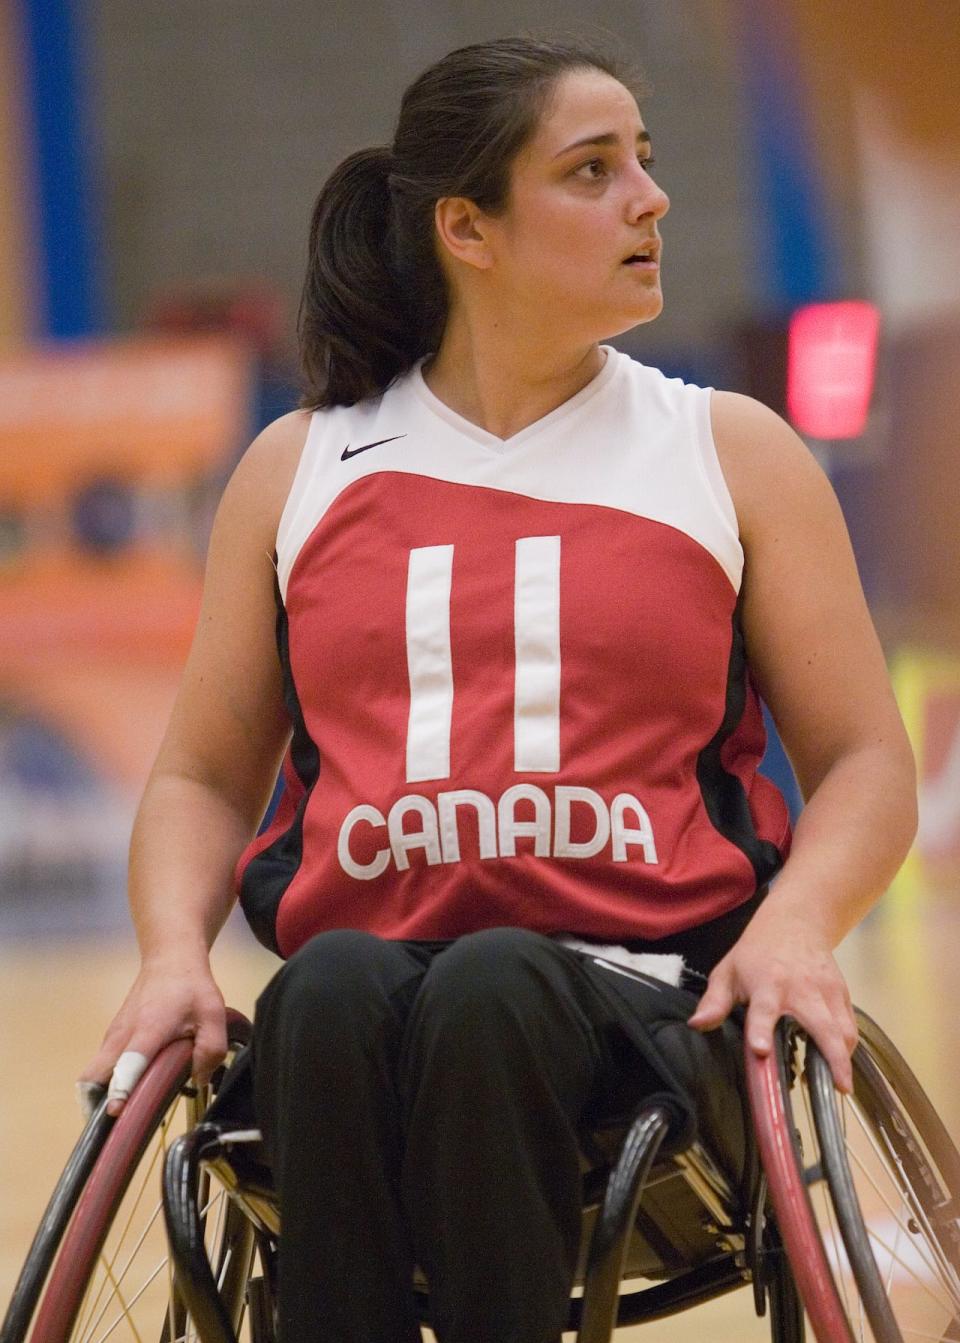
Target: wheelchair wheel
(874, 1179)
(111, 1277)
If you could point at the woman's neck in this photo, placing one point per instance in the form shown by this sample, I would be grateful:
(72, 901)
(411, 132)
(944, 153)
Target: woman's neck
(502, 385)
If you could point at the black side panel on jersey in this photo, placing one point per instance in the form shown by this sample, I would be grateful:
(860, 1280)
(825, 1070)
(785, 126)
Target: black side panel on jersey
(267, 876)
(723, 794)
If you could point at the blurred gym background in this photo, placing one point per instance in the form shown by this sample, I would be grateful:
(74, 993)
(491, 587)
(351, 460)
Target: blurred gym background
(158, 162)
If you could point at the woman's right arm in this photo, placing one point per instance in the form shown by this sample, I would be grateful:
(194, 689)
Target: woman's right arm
(214, 772)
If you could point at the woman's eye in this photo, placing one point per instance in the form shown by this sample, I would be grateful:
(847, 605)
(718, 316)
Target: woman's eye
(594, 170)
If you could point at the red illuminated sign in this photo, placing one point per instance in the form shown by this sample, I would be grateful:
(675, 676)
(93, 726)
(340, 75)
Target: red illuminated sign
(831, 358)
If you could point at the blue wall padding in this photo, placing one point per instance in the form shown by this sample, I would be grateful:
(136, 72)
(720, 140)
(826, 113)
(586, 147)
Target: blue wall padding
(801, 262)
(56, 88)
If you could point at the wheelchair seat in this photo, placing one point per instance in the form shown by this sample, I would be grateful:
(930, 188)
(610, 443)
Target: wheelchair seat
(683, 1237)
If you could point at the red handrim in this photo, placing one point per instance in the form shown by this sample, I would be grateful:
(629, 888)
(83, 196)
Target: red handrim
(791, 1202)
(152, 1096)
(91, 1220)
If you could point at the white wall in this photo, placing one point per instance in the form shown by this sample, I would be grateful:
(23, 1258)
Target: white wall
(910, 196)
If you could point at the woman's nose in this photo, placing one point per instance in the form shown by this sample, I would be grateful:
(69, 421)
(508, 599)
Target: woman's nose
(654, 201)
(649, 197)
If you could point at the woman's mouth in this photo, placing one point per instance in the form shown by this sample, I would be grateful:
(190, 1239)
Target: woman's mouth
(645, 258)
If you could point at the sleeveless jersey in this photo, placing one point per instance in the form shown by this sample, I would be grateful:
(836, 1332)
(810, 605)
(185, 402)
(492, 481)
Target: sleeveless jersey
(516, 675)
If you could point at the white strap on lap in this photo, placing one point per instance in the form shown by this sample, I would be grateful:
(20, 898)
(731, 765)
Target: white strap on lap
(658, 965)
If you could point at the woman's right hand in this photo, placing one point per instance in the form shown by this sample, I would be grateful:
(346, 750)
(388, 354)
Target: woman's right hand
(169, 1000)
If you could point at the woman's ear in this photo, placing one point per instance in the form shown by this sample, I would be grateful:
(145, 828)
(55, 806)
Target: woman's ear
(460, 226)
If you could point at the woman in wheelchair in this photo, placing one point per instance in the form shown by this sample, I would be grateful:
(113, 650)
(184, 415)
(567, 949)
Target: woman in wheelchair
(505, 601)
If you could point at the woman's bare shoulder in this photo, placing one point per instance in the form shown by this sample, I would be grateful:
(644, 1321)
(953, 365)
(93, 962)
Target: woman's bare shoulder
(274, 454)
(262, 478)
(745, 430)
(764, 461)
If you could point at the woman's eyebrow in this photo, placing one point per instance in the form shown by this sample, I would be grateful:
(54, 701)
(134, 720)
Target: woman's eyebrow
(608, 138)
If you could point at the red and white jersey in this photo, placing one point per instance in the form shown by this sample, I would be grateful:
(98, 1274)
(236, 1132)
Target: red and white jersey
(516, 675)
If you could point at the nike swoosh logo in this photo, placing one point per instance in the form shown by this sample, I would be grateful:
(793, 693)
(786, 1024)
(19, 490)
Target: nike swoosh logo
(347, 453)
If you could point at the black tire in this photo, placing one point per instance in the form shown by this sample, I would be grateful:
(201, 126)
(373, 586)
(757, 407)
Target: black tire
(786, 1308)
(91, 1291)
(53, 1224)
(884, 1178)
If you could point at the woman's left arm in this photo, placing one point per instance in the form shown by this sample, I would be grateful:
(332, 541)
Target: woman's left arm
(817, 662)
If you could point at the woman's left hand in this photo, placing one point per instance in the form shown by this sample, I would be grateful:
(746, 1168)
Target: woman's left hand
(780, 968)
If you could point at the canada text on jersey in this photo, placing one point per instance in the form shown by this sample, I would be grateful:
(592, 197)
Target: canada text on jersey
(623, 825)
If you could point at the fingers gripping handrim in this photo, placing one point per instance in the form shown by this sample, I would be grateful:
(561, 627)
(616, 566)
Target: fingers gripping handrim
(101, 1066)
(128, 1070)
(209, 1049)
(764, 1010)
(717, 1002)
(831, 1033)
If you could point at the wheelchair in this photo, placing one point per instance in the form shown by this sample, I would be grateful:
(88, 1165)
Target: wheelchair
(843, 1221)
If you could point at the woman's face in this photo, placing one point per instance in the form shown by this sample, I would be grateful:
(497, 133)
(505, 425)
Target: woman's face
(581, 202)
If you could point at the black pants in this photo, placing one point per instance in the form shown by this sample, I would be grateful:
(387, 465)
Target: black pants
(422, 1103)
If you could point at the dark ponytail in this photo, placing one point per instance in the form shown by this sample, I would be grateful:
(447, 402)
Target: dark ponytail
(355, 332)
(374, 300)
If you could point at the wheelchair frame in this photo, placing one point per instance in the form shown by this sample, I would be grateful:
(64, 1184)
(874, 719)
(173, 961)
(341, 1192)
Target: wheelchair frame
(763, 1233)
